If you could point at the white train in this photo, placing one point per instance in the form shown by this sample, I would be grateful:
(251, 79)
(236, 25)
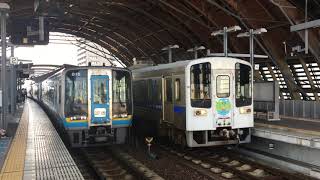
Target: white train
(201, 102)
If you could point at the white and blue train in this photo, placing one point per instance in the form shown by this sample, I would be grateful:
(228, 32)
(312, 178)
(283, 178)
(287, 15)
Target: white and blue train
(92, 104)
(201, 102)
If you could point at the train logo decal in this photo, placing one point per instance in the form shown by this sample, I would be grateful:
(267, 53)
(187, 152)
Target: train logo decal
(223, 107)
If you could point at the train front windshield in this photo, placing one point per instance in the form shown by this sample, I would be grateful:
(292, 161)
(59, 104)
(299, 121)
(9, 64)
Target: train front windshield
(76, 95)
(201, 85)
(121, 99)
(243, 85)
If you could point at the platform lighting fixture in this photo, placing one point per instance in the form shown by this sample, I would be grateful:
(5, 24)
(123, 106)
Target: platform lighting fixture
(251, 34)
(195, 50)
(226, 29)
(254, 32)
(225, 32)
(169, 49)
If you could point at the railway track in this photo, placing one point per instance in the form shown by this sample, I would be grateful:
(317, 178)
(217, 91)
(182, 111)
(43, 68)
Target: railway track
(111, 163)
(105, 165)
(85, 168)
(225, 164)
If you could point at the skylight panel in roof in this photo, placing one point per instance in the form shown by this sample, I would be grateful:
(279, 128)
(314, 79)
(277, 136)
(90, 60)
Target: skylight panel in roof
(306, 86)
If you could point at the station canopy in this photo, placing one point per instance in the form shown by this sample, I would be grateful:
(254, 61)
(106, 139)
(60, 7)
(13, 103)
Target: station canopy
(141, 28)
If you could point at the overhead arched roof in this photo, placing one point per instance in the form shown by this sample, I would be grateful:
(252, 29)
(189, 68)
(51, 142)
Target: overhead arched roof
(141, 28)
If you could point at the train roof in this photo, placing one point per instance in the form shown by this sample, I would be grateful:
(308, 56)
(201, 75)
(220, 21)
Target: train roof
(184, 64)
(70, 67)
(94, 67)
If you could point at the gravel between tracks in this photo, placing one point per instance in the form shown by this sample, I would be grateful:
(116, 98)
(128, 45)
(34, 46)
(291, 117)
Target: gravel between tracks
(165, 166)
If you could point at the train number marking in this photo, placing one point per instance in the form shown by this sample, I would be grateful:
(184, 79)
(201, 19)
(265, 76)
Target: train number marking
(100, 112)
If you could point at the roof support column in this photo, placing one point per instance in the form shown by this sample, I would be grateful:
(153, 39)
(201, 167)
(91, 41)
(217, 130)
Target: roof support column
(4, 9)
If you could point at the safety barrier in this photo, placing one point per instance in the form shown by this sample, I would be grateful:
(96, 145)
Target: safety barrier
(300, 109)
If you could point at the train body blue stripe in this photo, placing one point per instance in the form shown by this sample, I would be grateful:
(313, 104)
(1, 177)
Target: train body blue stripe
(85, 124)
(179, 109)
(176, 109)
(74, 124)
(122, 122)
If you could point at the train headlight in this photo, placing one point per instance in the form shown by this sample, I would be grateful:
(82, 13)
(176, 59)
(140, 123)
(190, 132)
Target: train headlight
(245, 110)
(124, 115)
(200, 112)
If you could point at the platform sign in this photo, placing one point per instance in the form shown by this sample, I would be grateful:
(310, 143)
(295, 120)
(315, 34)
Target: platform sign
(256, 67)
(13, 60)
(29, 31)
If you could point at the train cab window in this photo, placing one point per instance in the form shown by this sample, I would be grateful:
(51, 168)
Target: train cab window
(200, 85)
(121, 94)
(100, 91)
(243, 87)
(223, 86)
(76, 93)
(177, 90)
(168, 90)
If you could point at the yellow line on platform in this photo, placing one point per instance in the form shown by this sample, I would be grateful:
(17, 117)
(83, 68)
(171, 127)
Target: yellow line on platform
(271, 126)
(13, 166)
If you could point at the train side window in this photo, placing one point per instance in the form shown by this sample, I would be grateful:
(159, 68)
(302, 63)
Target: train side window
(150, 89)
(159, 86)
(60, 94)
(223, 86)
(168, 90)
(177, 91)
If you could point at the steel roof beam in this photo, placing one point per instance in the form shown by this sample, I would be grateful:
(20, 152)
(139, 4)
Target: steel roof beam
(274, 78)
(115, 45)
(156, 20)
(294, 17)
(311, 82)
(268, 49)
(109, 47)
(133, 42)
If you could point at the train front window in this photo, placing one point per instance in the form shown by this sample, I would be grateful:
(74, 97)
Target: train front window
(121, 98)
(100, 91)
(76, 97)
(201, 85)
(223, 86)
(243, 86)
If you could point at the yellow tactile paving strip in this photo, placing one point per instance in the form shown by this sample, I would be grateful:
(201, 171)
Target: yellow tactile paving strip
(13, 166)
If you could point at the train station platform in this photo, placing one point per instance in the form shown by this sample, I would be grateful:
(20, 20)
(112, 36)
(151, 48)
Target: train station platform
(290, 143)
(36, 150)
(301, 132)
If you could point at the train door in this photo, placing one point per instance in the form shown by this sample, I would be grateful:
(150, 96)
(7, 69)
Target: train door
(179, 109)
(223, 103)
(167, 99)
(99, 100)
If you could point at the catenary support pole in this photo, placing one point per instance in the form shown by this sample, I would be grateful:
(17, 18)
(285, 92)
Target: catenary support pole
(3, 68)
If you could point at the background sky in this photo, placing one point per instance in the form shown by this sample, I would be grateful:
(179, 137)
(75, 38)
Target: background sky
(56, 54)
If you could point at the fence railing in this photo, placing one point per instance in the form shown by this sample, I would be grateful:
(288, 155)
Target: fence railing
(300, 109)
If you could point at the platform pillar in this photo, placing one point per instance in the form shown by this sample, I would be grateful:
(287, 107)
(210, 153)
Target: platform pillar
(4, 10)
